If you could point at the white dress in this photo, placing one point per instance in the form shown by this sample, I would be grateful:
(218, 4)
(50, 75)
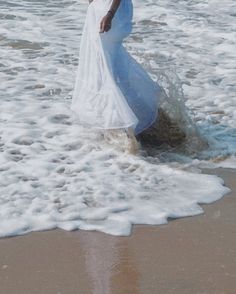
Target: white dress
(112, 91)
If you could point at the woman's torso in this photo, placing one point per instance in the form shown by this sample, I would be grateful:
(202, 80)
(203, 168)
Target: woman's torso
(124, 12)
(122, 21)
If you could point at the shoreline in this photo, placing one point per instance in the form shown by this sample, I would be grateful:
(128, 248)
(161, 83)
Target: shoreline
(194, 254)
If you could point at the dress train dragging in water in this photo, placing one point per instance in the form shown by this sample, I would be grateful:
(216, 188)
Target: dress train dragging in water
(112, 91)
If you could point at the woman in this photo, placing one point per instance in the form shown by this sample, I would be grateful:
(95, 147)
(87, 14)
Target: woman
(112, 91)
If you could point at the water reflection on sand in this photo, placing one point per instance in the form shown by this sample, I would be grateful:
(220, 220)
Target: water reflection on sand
(110, 262)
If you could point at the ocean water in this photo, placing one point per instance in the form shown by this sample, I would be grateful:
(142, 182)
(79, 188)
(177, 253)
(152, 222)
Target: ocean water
(52, 174)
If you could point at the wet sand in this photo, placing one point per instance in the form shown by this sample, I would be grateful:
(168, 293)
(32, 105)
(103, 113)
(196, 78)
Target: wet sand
(189, 255)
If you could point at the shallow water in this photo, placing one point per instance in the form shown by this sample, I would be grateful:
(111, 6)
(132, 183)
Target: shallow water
(54, 175)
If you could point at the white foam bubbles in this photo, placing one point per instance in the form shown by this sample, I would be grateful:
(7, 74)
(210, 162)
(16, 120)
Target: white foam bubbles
(52, 174)
(97, 190)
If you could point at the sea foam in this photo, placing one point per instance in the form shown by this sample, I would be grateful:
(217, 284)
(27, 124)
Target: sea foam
(54, 174)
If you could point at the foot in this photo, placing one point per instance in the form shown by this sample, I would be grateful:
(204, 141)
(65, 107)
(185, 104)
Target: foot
(122, 139)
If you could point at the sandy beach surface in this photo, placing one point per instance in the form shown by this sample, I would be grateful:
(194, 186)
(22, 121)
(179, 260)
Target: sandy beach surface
(189, 255)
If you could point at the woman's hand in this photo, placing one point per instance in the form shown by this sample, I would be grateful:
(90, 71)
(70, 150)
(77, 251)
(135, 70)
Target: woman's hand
(105, 24)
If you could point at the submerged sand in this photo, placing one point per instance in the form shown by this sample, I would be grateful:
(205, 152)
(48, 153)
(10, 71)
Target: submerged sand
(189, 255)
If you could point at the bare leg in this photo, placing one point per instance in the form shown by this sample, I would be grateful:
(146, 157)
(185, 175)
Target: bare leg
(133, 143)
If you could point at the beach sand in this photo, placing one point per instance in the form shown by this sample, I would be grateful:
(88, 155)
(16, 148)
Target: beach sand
(188, 255)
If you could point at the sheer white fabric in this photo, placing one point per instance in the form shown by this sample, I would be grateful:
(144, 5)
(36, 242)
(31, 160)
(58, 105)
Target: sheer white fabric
(112, 91)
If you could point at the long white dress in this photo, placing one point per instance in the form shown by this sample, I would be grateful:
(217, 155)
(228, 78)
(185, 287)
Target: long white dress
(112, 91)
